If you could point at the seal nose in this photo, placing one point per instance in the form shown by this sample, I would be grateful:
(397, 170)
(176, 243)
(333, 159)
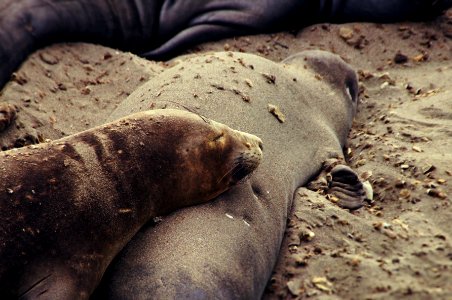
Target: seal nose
(251, 140)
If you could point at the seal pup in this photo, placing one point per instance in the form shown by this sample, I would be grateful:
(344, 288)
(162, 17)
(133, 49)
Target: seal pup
(227, 249)
(163, 27)
(67, 207)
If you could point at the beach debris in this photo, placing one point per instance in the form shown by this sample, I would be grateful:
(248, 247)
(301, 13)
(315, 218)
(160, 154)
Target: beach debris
(86, 90)
(401, 223)
(365, 75)
(245, 97)
(417, 149)
(400, 183)
(406, 32)
(355, 261)
(368, 190)
(437, 193)
(307, 235)
(157, 219)
(125, 210)
(366, 175)
(400, 58)
(301, 260)
(249, 82)
(420, 57)
(380, 225)
(412, 90)
(428, 168)
(274, 110)
(361, 162)
(270, 78)
(107, 55)
(229, 216)
(405, 193)
(346, 33)
(217, 86)
(295, 286)
(8, 113)
(323, 284)
(48, 58)
(19, 78)
(387, 78)
(421, 94)
(385, 228)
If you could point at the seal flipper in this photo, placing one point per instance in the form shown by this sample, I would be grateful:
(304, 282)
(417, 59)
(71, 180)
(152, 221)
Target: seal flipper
(341, 182)
(345, 184)
(26, 26)
(190, 37)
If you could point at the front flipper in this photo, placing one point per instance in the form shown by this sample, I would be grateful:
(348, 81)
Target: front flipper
(345, 185)
(341, 185)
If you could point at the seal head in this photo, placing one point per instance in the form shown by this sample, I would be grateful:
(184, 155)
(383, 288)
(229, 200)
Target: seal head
(214, 158)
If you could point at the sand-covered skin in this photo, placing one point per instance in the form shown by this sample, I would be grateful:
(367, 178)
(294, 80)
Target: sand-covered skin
(397, 247)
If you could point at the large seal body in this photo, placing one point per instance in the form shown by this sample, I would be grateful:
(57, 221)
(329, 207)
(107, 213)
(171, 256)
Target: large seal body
(227, 249)
(68, 207)
(167, 26)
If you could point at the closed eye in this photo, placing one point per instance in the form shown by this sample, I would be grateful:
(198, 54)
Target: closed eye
(351, 89)
(218, 137)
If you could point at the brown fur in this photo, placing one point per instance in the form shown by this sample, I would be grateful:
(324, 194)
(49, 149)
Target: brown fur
(67, 207)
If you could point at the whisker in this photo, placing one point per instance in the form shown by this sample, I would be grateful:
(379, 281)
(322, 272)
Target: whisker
(226, 174)
(236, 170)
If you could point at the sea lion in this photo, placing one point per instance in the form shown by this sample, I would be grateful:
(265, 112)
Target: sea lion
(227, 249)
(67, 207)
(160, 28)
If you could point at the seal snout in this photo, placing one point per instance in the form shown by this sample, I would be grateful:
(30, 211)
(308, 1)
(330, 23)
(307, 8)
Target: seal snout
(249, 158)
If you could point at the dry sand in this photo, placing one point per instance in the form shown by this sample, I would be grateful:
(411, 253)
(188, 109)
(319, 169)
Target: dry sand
(399, 246)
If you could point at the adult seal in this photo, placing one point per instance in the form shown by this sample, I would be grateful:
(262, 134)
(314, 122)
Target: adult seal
(302, 108)
(68, 207)
(159, 28)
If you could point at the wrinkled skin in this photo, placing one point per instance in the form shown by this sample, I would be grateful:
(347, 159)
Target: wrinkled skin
(160, 28)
